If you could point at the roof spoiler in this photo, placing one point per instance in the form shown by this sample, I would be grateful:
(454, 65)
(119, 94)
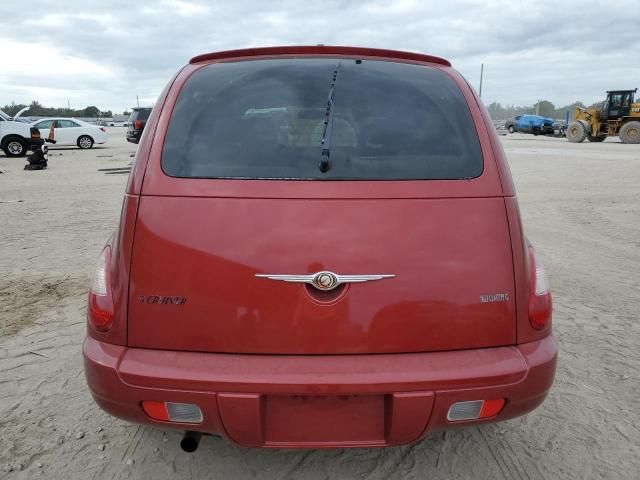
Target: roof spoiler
(320, 50)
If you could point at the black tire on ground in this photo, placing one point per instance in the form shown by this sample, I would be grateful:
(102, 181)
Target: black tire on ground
(15, 147)
(85, 141)
(596, 139)
(630, 132)
(511, 129)
(576, 132)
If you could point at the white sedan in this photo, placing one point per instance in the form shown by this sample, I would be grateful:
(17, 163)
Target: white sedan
(71, 131)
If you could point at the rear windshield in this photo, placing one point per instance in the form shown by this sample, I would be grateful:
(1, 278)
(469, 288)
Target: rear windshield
(321, 119)
(142, 114)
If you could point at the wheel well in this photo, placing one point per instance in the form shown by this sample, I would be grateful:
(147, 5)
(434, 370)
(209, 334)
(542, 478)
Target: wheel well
(12, 136)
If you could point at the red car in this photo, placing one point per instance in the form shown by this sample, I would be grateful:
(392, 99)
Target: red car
(319, 247)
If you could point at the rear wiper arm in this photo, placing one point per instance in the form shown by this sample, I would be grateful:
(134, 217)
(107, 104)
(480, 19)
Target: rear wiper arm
(324, 165)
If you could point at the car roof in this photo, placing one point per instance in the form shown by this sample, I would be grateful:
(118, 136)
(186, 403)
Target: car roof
(62, 118)
(320, 50)
(622, 91)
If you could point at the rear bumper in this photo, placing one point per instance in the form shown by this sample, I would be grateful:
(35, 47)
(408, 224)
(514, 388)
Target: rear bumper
(133, 136)
(319, 401)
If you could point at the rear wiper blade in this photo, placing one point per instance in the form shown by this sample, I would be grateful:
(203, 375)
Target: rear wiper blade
(324, 164)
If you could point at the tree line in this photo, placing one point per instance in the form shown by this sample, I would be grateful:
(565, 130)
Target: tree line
(544, 108)
(497, 111)
(38, 110)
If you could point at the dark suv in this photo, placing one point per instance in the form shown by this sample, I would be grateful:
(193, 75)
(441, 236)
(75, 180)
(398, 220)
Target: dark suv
(137, 121)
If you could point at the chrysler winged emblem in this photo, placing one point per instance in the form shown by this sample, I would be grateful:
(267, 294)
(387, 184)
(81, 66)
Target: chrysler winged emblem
(324, 280)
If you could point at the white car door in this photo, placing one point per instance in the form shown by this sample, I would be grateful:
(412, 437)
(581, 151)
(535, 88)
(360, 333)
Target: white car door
(70, 131)
(45, 126)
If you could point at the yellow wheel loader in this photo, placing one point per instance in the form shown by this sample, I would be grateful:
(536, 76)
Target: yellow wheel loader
(619, 116)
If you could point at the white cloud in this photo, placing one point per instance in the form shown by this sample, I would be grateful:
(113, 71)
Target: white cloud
(185, 8)
(20, 58)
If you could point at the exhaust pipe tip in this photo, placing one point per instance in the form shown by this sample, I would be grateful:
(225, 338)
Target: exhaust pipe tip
(190, 441)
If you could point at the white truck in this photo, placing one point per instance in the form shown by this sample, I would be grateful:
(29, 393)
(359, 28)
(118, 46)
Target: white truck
(14, 136)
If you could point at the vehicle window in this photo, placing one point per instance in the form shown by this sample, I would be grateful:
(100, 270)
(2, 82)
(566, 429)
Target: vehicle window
(143, 114)
(625, 100)
(266, 119)
(616, 100)
(67, 124)
(44, 124)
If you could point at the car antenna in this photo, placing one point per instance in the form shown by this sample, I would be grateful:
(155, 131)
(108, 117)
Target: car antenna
(324, 164)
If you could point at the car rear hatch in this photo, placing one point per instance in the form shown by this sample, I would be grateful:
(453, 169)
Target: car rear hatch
(139, 114)
(235, 190)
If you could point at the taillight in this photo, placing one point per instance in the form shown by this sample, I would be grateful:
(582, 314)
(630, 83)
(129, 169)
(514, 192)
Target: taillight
(173, 412)
(475, 409)
(103, 129)
(540, 296)
(100, 309)
(137, 124)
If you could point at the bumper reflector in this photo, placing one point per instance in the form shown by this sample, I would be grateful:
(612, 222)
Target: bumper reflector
(475, 409)
(173, 412)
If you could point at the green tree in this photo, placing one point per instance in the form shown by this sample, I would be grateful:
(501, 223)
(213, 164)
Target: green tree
(91, 111)
(36, 109)
(571, 108)
(545, 108)
(496, 111)
(13, 108)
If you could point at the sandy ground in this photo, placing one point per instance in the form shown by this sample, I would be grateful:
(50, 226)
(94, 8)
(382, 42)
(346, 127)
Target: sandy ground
(581, 207)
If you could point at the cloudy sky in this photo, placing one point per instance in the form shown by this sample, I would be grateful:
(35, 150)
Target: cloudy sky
(106, 52)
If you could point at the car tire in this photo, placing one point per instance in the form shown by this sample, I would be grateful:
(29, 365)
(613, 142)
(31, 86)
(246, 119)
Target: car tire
(576, 133)
(15, 147)
(85, 142)
(630, 132)
(511, 129)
